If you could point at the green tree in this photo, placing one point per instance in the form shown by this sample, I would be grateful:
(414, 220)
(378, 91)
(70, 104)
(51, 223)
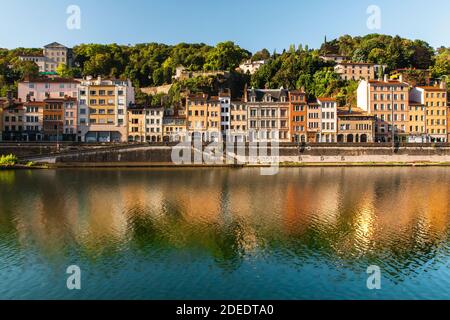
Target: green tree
(225, 56)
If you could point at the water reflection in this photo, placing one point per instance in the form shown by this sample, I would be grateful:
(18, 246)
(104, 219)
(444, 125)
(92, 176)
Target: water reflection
(397, 218)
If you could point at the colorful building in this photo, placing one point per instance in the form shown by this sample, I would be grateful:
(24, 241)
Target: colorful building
(239, 121)
(328, 119)
(417, 123)
(136, 123)
(313, 121)
(358, 70)
(268, 114)
(45, 88)
(354, 125)
(225, 111)
(388, 101)
(145, 124)
(70, 128)
(434, 98)
(13, 120)
(174, 128)
(298, 115)
(203, 116)
(34, 120)
(53, 124)
(102, 111)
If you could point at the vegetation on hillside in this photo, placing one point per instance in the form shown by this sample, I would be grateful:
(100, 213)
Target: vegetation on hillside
(154, 64)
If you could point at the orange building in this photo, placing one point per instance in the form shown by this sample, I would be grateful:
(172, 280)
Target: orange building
(53, 124)
(299, 115)
(388, 101)
(203, 115)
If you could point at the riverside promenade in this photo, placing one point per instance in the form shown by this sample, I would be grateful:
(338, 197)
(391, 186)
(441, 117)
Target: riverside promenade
(124, 155)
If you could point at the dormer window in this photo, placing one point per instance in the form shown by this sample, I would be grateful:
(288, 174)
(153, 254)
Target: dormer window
(283, 99)
(253, 99)
(268, 98)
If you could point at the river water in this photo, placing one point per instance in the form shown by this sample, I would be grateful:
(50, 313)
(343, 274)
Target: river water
(305, 233)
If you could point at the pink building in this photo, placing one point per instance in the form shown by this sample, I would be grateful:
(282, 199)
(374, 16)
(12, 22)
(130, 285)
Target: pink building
(44, 88)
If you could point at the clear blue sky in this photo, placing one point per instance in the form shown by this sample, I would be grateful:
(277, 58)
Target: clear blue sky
(253, 24)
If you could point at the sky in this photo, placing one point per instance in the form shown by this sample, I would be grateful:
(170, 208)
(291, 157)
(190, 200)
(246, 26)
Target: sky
(252, 24)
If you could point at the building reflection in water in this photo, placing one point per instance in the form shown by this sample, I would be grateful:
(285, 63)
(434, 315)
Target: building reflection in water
(343, 215)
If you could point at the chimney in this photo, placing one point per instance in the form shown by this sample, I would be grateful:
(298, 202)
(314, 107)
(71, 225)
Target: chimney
(443, 84)
(400, 78)
(385, 78)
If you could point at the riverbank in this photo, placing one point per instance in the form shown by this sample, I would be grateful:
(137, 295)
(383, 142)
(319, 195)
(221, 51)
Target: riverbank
(91, 165)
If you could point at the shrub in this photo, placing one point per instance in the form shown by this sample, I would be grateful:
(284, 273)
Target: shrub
(9, 160)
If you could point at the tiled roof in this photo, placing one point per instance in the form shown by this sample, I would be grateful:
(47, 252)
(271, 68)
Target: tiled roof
(259, 94)
(326, 99)
(430, 88)
(52, 80)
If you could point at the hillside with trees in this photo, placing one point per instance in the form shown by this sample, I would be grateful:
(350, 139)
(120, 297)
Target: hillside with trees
(154, 64)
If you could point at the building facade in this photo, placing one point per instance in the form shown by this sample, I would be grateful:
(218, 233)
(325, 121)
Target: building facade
(45, 88)
(388, 101)
(53, 124)
(268, 114)
(239, 122)
(298, 116)
(13, 116)
(102, 111)
(250, 67)
(34, 120)
(225, 111)
(70, 128)
(435, 101)
(314, 121)
(53, 55)
(328, 119)
(354, 126)
(174, 128)
(203, 116)
(136, 123)
(417, 123)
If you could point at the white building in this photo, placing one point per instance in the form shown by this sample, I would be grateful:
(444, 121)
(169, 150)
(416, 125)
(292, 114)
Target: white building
(225, 109)
(328, 125)
(250, 66)
(154, 124)
(52, 56)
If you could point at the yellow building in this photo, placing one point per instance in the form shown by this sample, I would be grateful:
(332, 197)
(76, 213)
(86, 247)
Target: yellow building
(203, 116)
(238, 123)
(103, 110)
(435, 101)
(355, 125)
(136, 124)
(174, 128)
(448, 124)
(417, 122)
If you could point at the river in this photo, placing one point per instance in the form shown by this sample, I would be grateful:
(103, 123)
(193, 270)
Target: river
(305, 233)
